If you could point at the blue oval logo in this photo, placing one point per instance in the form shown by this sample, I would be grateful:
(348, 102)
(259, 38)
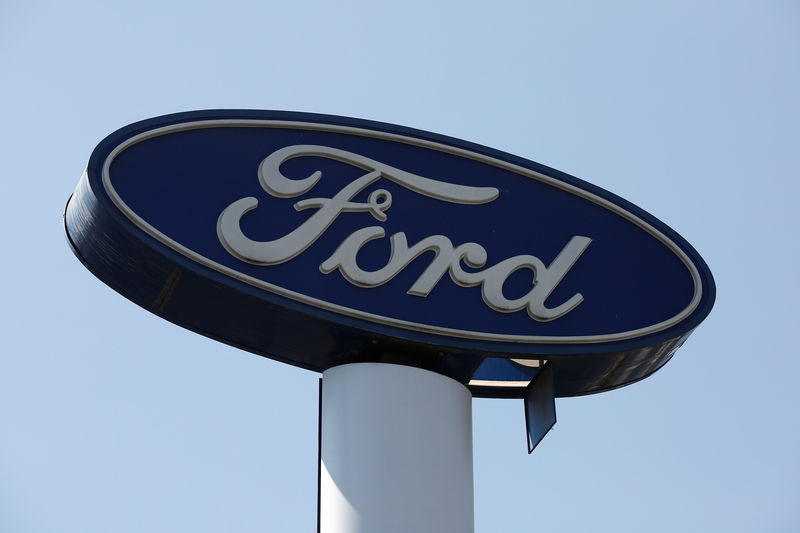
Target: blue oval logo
(393, 228)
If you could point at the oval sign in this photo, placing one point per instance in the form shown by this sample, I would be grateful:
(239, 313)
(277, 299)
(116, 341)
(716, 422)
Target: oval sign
(320, 240)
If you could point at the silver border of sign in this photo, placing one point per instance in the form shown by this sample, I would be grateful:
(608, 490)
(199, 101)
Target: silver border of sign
(228, 123)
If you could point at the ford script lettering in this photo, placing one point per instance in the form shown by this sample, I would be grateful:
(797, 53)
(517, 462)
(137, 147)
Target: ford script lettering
(447, 257)
(319, 241)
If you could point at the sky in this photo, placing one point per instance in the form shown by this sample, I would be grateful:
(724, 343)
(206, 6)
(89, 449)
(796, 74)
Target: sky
(112, 419)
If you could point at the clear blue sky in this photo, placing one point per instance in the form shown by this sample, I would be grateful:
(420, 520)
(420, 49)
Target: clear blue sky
(114, 420)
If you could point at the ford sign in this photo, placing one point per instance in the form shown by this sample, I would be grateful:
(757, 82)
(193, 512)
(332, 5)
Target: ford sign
(319, 240)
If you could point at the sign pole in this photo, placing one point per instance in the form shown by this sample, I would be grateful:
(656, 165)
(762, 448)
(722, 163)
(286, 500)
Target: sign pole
(396, 451)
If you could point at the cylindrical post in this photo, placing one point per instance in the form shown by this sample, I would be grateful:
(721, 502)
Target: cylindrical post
(396, 451)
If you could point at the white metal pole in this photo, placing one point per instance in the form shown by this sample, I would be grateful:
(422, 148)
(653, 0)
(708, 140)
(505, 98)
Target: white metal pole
(396, 451)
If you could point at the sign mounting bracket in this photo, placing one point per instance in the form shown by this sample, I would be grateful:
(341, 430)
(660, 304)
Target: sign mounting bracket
(540, 406)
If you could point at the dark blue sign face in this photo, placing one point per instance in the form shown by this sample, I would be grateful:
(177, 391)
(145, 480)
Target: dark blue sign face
(375, 242)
